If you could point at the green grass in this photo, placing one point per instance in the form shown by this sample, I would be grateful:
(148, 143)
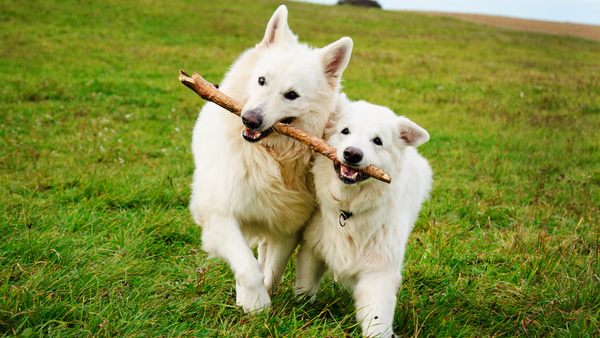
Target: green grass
(95, 167)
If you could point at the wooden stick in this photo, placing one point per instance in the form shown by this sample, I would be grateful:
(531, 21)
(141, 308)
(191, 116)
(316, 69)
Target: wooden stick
(209, 92)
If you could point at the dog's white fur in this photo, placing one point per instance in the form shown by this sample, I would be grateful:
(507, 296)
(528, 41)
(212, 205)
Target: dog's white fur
(367, 253)
(246, 193)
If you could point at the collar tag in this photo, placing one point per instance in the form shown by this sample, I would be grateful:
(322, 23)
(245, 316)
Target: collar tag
(344, 215)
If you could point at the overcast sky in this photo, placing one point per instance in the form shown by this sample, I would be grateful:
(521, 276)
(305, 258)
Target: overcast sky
(574, 11)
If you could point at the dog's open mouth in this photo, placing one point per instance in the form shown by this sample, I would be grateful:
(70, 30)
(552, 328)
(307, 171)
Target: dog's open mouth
(348, 175)
(255, 136)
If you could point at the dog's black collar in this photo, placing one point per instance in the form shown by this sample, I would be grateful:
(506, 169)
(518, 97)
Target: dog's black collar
(344, 215)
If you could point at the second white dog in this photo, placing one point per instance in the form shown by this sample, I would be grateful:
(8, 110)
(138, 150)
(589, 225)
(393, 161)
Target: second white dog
(362, 226)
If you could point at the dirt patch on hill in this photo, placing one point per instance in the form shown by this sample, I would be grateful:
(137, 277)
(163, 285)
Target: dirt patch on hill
(558, 28)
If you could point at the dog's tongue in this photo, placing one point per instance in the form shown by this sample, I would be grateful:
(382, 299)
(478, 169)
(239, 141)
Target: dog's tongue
(348, 172)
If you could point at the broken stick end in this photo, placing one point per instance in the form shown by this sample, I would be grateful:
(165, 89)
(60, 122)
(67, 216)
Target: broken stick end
(182, 72)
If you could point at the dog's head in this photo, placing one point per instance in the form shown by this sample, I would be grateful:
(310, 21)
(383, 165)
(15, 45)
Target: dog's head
(365, 134)
(292, 83)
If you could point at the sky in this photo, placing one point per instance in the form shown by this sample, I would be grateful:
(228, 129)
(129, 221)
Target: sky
(573, 11)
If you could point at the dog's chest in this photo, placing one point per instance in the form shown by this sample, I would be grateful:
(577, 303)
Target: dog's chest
(274, 197)
(360, 244)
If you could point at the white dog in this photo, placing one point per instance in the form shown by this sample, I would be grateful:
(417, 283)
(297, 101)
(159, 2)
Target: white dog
(248, 186)
(362, 225)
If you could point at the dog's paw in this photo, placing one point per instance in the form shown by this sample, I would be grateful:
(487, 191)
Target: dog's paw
(305, 297)
(304, 291)
(254, 301)
(238, 300)
(378, 330)
(257, 302)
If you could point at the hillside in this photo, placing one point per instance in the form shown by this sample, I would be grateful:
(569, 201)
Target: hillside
(557, 28)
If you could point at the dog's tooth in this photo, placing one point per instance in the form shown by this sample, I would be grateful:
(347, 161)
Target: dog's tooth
(252, 134)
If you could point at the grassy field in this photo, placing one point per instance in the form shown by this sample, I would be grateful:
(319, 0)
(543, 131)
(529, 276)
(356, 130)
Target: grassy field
(95, 167)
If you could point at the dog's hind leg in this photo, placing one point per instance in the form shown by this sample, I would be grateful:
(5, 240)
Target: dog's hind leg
(375, 299)
(274, 254)
(309, 271)
(222, 237)
(262, 253)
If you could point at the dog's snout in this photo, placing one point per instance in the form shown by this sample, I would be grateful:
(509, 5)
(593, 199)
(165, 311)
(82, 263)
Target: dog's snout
(251, 119)
(353, 155)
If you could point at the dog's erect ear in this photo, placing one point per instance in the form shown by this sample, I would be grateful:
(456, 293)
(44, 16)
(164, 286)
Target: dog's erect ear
(335, 58)
(342, 107)
(410, 132)
(277, 29)
(344, 103)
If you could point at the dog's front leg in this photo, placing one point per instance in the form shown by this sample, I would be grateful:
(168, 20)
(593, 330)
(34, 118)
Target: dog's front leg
(222, 237)
(375, 299)
(273, 254)
(309, 271)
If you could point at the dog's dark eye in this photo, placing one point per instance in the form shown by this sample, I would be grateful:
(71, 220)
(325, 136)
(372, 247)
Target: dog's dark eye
(291, 95)
(261, 81)
(377, 141)
(345, 131)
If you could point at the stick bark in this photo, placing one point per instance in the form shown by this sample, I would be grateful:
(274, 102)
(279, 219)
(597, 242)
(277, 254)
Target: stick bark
(209, 92)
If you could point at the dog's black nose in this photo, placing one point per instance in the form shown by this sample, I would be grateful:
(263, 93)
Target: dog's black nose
(353, 155)
(252, 120)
